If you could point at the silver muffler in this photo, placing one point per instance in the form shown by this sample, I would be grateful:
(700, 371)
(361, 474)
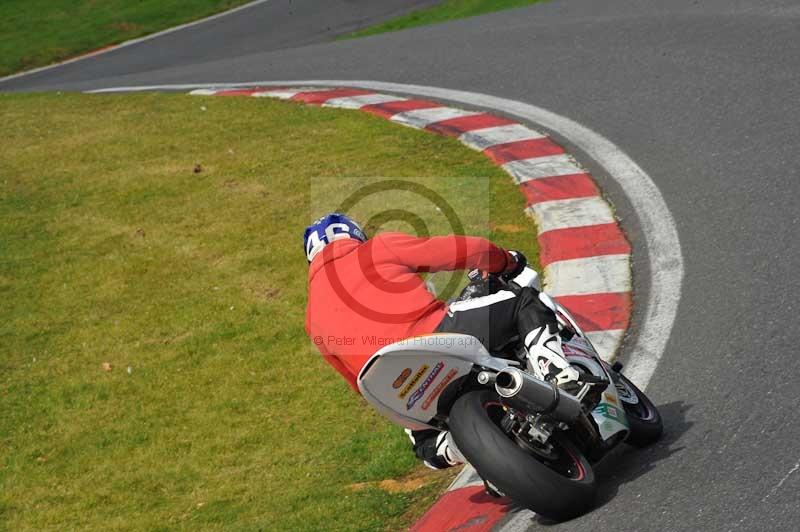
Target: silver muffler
(522, 391)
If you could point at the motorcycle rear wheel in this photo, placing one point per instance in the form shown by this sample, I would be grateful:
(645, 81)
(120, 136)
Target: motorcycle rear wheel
(558, 485)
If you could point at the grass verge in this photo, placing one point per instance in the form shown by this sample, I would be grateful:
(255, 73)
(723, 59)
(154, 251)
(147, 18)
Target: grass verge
(39, 32)
(447, 10)
(154, 370)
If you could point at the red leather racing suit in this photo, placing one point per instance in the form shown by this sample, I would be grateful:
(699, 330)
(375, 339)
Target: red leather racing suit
(363, 296)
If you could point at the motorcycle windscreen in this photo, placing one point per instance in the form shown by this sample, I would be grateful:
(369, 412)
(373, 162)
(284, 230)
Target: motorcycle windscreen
(404, 381)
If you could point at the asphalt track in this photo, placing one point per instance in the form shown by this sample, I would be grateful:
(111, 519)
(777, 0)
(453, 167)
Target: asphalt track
(705, 97)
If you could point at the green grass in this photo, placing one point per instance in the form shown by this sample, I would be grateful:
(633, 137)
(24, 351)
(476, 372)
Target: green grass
(40, 32)
(113, 250)
(447, 10)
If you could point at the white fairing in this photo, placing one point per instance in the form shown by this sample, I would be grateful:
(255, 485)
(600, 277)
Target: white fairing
(529, 278)
(609, 414)
(405, 380)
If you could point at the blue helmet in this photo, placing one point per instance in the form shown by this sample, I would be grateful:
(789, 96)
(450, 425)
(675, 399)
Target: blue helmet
(323, 231)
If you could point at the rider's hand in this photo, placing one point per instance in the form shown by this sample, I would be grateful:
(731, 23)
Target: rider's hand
(478, 275)
(475, 275)
(516, 263)
(481, 283)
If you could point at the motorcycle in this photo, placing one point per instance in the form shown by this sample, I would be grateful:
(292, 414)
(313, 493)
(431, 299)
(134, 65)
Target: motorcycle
(531, 440)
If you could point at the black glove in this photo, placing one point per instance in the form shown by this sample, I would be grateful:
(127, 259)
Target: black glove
(479, 286)
(521, 263)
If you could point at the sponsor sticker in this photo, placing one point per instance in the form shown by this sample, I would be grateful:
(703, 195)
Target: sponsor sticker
(417, 395)
(403, 377)
(410, 386)
(439, 387)
(611, 413)
(606, 410)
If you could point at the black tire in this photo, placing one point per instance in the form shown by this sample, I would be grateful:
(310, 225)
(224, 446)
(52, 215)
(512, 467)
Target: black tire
(517, 472)
(643, 416)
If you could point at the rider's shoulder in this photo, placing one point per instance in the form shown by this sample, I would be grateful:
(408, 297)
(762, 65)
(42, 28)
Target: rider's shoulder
(392, 236)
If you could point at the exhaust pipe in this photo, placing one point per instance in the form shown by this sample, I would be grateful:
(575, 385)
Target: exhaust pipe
(522, 391)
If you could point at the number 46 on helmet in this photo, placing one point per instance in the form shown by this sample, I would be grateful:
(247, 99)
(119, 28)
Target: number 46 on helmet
(333, 226)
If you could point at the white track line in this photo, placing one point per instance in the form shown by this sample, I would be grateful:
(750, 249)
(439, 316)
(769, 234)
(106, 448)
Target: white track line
(657, 224)
(134, 41)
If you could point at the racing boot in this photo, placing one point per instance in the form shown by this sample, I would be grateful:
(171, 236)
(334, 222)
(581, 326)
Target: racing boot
(436, 449)
(547, 358)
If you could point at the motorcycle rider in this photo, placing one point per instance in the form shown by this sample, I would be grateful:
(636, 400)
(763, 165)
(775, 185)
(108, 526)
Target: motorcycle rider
(366, 293)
